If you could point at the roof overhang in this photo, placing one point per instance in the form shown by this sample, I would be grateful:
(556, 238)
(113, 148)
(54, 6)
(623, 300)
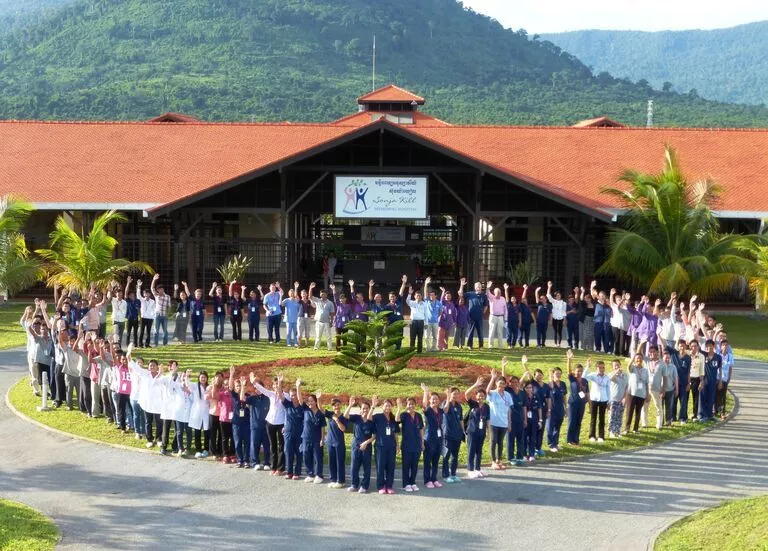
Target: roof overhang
(94, 206)
(732, 214)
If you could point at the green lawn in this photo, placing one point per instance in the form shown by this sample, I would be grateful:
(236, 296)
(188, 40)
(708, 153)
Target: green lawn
(25, 529)
(740, 525)
(748, 335)
(11, 334)
(334, 380)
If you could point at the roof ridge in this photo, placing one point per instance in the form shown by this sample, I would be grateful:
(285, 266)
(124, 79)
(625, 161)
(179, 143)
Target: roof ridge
(166, 124)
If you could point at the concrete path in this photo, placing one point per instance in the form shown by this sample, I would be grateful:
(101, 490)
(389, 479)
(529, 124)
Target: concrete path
(103, 497)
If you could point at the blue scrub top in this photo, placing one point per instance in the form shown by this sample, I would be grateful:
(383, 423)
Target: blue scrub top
(683, 365)
(241, 411)
(334, 436)
(236, 306)
(294, 419)
(292, 309)
(533, 404)
(543, 312)
(476, 303)
(479, 414)
(516, 409)
(452, 423)
(254, 305)
(362, 431)
(556, 395)
(259, 408)
(313, 426)
(576, 387)
(382, 423)
(512, 314)
(434, 421)
(525, 315)
(542, 392)
(397, 311)
(411, 430)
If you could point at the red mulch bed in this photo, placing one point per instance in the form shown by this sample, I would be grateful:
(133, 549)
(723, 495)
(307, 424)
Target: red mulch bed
(466, 371)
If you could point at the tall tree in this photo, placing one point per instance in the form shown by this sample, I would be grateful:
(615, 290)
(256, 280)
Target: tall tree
(77, 261)
(669, 239)
(18, 268)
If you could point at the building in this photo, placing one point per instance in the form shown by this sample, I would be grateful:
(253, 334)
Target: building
(196, 193)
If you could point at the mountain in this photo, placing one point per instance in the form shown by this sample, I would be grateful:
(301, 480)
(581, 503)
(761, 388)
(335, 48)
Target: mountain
(728, 65)
(16, 12)
(308, 60)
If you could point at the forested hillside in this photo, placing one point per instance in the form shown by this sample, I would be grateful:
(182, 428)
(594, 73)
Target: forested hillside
(20, 12)
(308, 60)
(723, 64)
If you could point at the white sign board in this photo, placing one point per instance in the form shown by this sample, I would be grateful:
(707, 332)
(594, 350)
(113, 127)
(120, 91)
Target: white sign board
(381, 197)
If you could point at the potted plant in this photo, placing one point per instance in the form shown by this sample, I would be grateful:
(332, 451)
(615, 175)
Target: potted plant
(521, 274)
(234, 270)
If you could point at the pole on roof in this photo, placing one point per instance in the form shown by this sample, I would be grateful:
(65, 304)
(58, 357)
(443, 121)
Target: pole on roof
(373, 74)
(649, 118)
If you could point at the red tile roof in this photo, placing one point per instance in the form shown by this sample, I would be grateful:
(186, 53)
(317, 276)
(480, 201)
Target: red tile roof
(598, 122)
(170, 116)
(390, 94)
(364, 117)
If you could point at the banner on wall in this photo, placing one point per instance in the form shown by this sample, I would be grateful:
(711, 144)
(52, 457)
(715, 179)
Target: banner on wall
(382, 236)
(381, 197)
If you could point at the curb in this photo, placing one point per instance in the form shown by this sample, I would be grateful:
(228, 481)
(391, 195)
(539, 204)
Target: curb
(668, 525)
(551, 460)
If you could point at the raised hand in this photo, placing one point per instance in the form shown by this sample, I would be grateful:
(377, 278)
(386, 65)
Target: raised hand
(277, 284)
(295, 284)
(242, 381)
(504, 361)
(312, 285)
(442, 289)
(404, 279)
(258, 287)
(332, 287)
(352, 401)
(318, 394)
(489, 284)
(399, 403)
(371, 283)
(231, 369)
(155, 277)
(129, 279)
(423, 387)
(549, 284)
(214, 285)
(175, 286)
(463, 281)
(506, 286)
(569, 354)
(298, 383)
(525, 286)
(524, 359)
(139, 283)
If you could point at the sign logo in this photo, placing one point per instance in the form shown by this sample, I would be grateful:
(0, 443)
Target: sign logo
(355, 193)
(380, 197)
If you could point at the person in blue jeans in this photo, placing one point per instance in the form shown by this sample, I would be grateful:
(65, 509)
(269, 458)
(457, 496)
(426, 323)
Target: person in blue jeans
(362, 446)
(259, 407)
(241, 418)
(478, 420)
(543, 317)
(412, 431)
(334, 442)
(312, 439)
(578, 397)
(274, 311)
(219, 311)
(453, 429)
(433, 436)
(477, 302)
(294, 426)
(253, 305)
(292, 307)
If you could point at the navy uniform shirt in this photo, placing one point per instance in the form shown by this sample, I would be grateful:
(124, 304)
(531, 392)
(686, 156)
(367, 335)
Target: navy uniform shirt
(532, 405)
(132, 309)
(683, 365)
(516, 409)
(542, 312)
(236, 307)
(259, 408)
(478, 418)
(712, 367)
(386, 428)
(556, 394)
(254, 305)
(313, 426)
(362, 431)
(376, 308)
(525, 315)
(576, 387)
(452, 423)
(241, 414)
(294, 419)
(396, 309)
(411, 429)
(513, 311)
(183, 307)
(219, 305)
(334, 436)
(542, 392)
(433, 433)
(476, 303)
(197, 307)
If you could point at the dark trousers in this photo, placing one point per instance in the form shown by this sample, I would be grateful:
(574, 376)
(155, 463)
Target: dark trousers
(361, 458)
(241, 434)
(183, 431)
(227, 447)
(722, 397)
(475, 326)
(599, 330)
(635, 408)
(122, 403)
(313, 457)
(669, 406)
(572, 326)
(120, 329)
(214, 436)
(682, 401)
(497, 442)
(61, 384)
(707, 400)
(84, 398)
(253, 327)
(293, 454)
(450, 457)
(475, 443)
(431, 460)
(525, 335)
(557, 326)
(276, 447)
(106, 404)
(218, 326)
(553, 429)
(41, 368)
(460, 336)
(273, 328)
(151, 419)
(197, 328)
(417, 334)
(146, 327)
(695, 381)
(619, 344)
(258, 440)
(337, 463)
(133, 327)
(410, 464)
(202, 440)
(531, 436)
(512, 330)
(385, 467)
(515, 437)
(574, 421)
(237, 327)
(167, 425)
(541, 333)
(597, 417)
(540, 432)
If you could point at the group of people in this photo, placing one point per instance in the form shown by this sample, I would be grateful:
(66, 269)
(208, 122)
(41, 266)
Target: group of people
(284, 430)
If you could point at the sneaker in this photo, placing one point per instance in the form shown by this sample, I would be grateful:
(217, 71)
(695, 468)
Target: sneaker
(481, 473)
(137, 436)
(198, 455)
(352, 489)
(318, 480)
(149, 445)
(437, 484)
(288, 477)
(455, 478)
(362, 491)
(518, 462)
(382, 491)
(448, 480)
(531, 459)
(408, 488)
(414, 488)
(241, 465)
(472, 475)
(309, 479)
(390, 491)
(163, 452)
(203, 454)
(554, 450)
(592, 439)
(601, 440)
(430, 485)
(265, 467)
(295, 477)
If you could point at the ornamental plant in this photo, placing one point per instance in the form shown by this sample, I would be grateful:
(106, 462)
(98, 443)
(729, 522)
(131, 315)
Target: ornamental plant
(370, 347)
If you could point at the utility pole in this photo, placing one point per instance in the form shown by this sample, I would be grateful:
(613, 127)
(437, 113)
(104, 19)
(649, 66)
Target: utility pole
(649, 117)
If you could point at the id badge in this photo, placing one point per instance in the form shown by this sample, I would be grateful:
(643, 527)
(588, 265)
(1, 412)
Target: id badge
(183, 314)
(389, 431)
(242, 413)
(253, 309)
(123, 387)
(581, 394)
(482, 424)
(306, 315)
(439, 433)
(530, 415)
(197, 312)
(272, 309)
(231, 414)
(343, 320)
(218, 309)
(640, 386)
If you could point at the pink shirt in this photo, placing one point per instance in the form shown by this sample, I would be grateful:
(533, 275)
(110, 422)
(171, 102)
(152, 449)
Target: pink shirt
(125, 380)
(498, 304)
(225, 406)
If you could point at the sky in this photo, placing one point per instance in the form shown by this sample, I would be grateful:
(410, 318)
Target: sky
(649, 15)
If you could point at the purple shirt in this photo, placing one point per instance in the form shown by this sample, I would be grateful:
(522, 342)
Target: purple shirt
(448, 316)
(358, 309)
(343, 313)
(462, 315)
(637, 318)
(647, 328)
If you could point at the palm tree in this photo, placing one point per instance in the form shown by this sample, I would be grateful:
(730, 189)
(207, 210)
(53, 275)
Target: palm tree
(759, 282)
(78, 262)
(18, 269)
(670, 240)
